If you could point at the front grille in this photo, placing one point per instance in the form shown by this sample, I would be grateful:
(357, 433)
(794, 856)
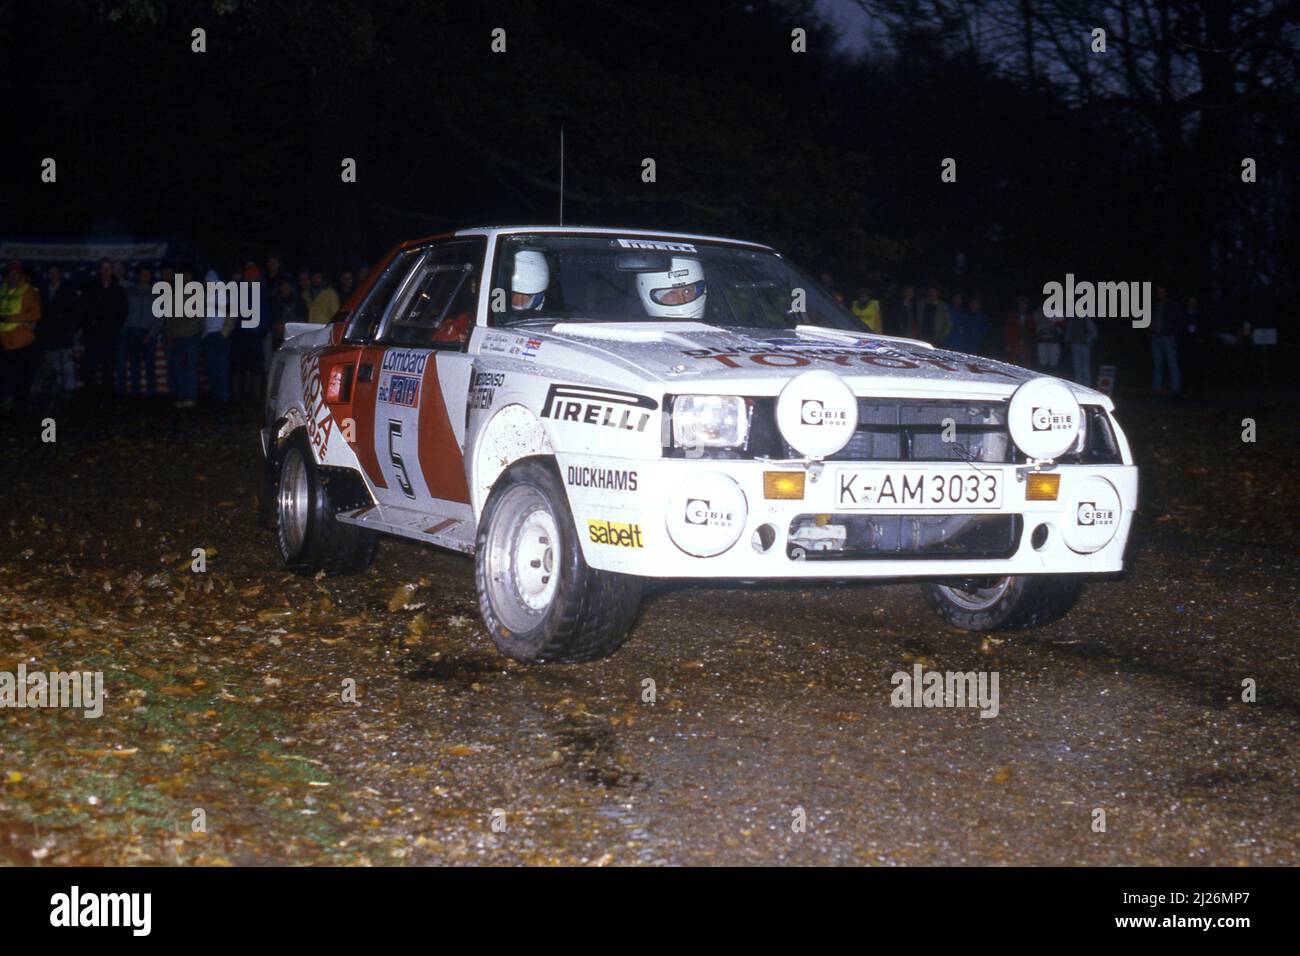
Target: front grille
(912, 430)
(857, 537)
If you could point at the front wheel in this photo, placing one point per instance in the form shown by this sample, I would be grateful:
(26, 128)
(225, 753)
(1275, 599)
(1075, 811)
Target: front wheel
(1010, 603)
(539, 598)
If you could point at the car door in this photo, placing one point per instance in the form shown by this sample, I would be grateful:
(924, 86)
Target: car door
(420, 374)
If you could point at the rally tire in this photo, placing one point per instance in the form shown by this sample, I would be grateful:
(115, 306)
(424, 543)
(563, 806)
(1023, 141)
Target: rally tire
(539, 599)
(1018, 602)
(310, 538)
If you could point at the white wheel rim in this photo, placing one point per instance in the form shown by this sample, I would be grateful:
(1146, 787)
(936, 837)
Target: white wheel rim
(294, 504)
(522, 558)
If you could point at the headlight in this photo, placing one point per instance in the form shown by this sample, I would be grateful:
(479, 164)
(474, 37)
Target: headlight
(1045, 419)
(709, 421)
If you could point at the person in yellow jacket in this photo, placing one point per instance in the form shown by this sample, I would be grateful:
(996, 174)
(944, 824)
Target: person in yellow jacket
(323, 301)
(20, 310)
(867, 309)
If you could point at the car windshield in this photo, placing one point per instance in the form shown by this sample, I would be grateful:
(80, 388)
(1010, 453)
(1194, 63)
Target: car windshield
(612, 278)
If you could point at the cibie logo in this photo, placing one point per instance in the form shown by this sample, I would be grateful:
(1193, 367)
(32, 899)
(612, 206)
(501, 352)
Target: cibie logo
(700, 511)
(1046, 420)
(813, 411)
(1090, 515)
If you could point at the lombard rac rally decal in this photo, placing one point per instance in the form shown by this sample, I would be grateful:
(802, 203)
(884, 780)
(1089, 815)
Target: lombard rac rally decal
(656, 245)
(400, 376)
(605, 407)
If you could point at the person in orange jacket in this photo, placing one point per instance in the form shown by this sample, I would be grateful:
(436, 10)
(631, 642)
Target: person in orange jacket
(20, 310)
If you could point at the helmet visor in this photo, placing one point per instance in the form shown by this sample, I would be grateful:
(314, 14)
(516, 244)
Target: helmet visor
(678, 294)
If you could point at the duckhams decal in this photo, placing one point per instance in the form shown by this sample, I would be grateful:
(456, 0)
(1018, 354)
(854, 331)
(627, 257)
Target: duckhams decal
(608, 479)
(588, 405)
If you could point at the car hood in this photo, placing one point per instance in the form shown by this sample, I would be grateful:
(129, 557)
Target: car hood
(692, 357)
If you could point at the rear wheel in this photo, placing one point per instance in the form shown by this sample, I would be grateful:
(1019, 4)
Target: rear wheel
(539, 598)
(310, 538)
(1009, 603)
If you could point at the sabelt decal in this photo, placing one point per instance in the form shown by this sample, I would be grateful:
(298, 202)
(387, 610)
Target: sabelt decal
(483, 389)
(604, 407)
(615, 534)
(607, 479)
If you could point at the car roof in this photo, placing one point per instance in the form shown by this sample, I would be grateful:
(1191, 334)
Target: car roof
(491, 231)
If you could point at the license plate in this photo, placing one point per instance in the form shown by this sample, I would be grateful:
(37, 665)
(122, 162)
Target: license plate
(915, 489)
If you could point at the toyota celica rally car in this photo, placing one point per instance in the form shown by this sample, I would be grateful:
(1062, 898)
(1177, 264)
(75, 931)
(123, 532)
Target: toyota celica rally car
(584, 409)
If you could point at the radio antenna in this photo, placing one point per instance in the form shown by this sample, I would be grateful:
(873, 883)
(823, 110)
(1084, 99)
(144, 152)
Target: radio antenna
(561, 176)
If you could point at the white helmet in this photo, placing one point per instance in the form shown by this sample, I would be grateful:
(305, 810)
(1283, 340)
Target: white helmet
(528, 284)
(678, 293)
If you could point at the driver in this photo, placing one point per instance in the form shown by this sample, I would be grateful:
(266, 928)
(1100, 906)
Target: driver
(530, 280)
(678, 293)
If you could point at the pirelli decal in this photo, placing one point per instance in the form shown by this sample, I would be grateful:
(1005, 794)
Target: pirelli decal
(602, 407)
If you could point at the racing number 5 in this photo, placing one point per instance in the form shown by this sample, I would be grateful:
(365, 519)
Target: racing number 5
(394, 436)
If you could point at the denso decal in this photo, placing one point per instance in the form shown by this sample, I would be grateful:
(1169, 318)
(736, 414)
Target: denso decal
(609, 479)
(588, 405)
(615, 534)
(483, 389)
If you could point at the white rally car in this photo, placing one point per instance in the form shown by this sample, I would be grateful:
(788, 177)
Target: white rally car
(583, 409)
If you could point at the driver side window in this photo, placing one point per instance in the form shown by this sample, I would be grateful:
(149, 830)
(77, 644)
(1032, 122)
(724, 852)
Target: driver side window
(436, 308)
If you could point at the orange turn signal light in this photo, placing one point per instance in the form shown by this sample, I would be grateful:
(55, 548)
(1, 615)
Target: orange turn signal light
(783, 485)
(1040, 486)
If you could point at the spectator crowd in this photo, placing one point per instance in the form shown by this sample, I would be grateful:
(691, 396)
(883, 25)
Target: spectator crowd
(101, 337)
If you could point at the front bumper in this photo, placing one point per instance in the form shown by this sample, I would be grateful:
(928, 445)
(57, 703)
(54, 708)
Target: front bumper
(629, 516)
